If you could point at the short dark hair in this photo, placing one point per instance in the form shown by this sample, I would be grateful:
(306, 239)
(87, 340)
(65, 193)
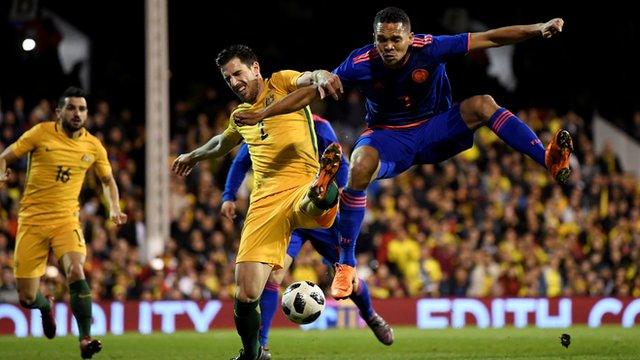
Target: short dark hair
(242, 52)
(392, 14)
(71, 91)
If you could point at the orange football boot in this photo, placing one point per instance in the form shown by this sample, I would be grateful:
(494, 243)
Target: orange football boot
(343, 281)
(556, 158)
(329, 166)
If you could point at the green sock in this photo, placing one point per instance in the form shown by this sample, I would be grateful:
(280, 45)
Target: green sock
(81, 306)
(332, 195)
(247, 318)
(40, 302)
(330, 199)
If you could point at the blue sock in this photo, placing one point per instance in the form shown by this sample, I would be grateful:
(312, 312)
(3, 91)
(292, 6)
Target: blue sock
(352, 207)
(517, 134)
(362, 299)
(268, 305)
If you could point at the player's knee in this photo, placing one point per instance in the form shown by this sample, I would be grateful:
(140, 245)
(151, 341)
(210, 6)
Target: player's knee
(477, 110)
(248, 294)
(26, 298)
(75, 272)
(361, 171)
(276, 277)
(486, 106)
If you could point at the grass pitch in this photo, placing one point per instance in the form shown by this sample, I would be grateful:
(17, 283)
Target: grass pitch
(410, 343)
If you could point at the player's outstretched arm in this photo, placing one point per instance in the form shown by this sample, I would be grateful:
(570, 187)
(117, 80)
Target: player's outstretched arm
(110, 189)
(7, 157)
(288, 104)
(514, 34)
(311, 84)
(217, 146)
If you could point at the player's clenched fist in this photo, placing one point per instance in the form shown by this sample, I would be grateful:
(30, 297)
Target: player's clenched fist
(552, 27)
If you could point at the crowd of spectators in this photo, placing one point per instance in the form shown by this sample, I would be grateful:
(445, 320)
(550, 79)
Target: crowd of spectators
(489, 222)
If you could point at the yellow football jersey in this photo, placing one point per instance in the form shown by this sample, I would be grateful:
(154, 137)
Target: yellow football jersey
(282, 148)
(57, 165)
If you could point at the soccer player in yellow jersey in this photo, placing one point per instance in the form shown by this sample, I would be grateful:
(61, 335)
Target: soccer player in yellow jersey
(285, 195)
(60, 153)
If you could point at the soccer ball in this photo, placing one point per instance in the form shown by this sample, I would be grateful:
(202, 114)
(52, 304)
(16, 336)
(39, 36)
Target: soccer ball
(302, 302)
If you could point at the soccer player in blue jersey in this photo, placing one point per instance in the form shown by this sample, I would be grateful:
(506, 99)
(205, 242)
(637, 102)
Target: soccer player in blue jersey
(325, 241)
(411, 117)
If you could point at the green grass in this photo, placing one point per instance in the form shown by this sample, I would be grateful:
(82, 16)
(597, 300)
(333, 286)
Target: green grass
(468, 343)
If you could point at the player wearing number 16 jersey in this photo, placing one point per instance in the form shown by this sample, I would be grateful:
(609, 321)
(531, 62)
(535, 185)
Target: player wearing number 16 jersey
(59, 155)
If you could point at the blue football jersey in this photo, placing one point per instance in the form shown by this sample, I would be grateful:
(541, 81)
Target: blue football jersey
(414, 92)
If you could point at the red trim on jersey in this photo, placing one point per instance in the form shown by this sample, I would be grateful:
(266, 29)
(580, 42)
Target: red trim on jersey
(369, 130)
(371, 54)
(366, 132)
(421, 42)
(318, 118)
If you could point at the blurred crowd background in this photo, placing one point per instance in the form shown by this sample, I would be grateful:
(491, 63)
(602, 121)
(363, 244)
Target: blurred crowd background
(489, 222)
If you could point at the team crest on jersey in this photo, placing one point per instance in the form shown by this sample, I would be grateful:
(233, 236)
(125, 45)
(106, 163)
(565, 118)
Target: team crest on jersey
(87, 158)
(269, 100)
(419, 75)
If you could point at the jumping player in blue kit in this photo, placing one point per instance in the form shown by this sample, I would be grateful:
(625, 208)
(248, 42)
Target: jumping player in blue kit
(410, 115)
(325, 241)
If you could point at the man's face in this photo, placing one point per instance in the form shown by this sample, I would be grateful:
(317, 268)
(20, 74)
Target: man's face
(392, 41)
(74, 113)
(242, 79)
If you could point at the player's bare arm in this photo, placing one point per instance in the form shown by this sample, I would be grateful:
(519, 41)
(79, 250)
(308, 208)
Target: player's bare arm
(327, 82)
(514, 34)
(7, 157)
(290, 103)
(311, 84)
(184, 163)
(217, 146)
(110, 190)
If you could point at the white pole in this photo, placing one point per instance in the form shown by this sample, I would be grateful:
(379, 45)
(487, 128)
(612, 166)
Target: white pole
(157, 128)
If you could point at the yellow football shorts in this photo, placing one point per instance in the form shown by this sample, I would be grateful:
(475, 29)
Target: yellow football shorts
(269, 223)
(34, 241)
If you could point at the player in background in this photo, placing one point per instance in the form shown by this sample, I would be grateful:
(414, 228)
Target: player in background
(325, 241)
(410, 115)
(59, 154)
(291, 190)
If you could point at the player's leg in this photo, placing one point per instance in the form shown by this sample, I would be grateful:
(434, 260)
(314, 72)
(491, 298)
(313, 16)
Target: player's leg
(263, 245)
(31, 298)
(482, 110)
(377, 154)
(365, 162)
(362, 299)
(251, 278)
(30, 260)
(80, 301)
(29, 294)
(326, 242)
(353, 203)
(269, 299)
(69, 247)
